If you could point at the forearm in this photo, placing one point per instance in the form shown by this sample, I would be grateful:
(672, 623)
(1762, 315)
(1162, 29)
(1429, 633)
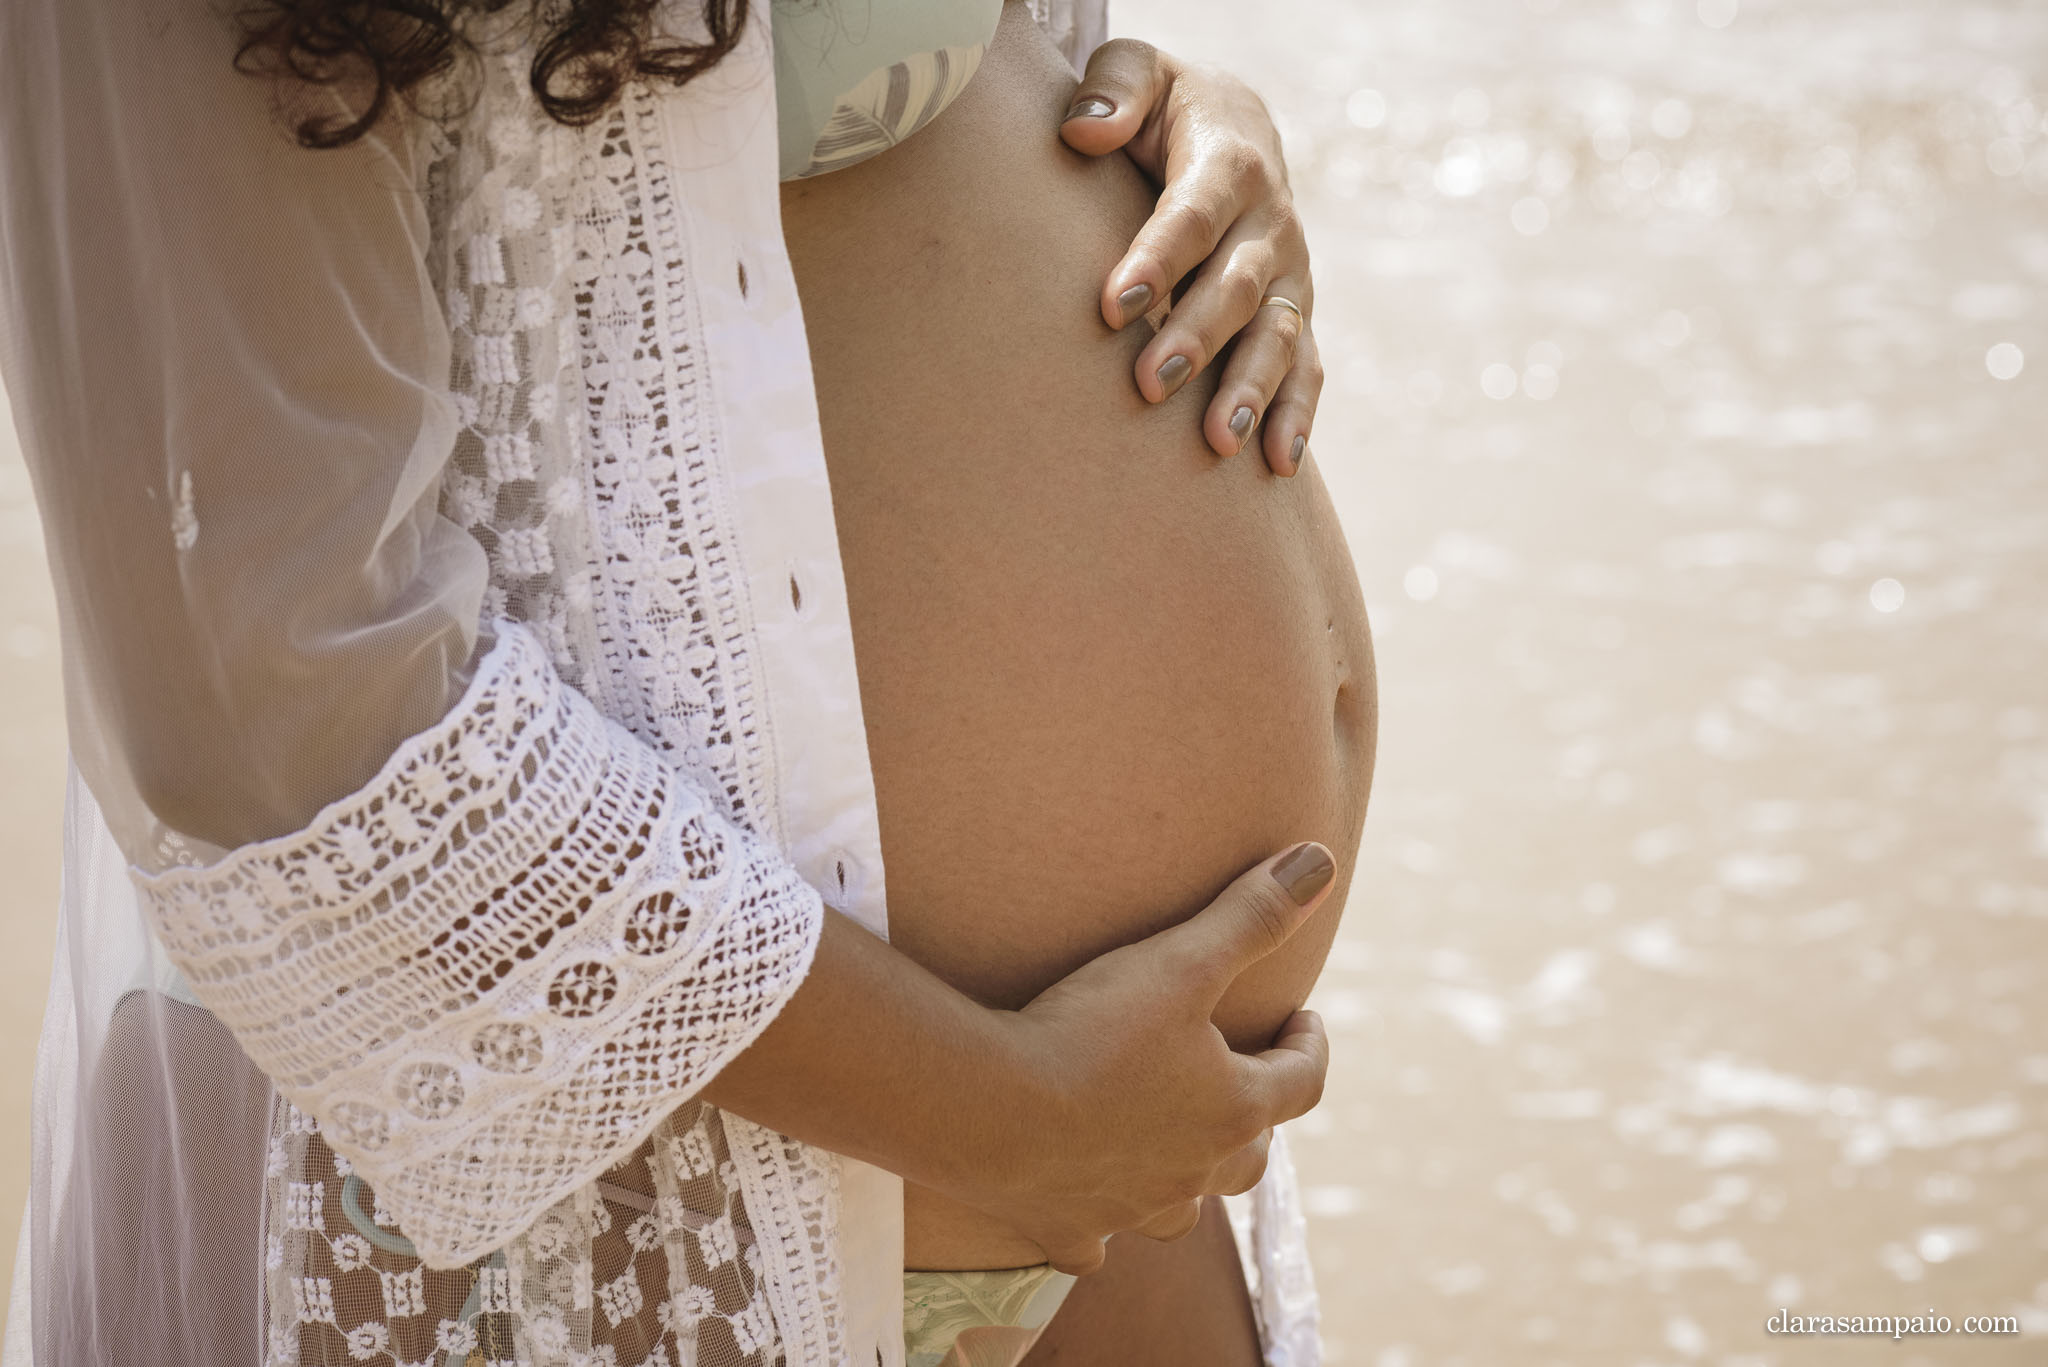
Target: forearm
(876, 1058)
(1107, 1103)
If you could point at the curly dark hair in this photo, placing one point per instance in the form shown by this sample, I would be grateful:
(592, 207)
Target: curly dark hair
(594, 47)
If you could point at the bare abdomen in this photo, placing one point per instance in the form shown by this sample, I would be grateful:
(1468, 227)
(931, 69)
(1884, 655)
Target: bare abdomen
(1103, 671)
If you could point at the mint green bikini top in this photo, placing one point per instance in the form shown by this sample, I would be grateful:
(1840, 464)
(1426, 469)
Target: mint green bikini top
(856, 77)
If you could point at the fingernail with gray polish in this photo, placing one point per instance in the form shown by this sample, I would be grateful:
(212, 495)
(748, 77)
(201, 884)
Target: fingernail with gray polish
(1304, 872)
(1134, 302)
(1300, 449)
(1174, 373)
(1241, 425)
(1091, 108)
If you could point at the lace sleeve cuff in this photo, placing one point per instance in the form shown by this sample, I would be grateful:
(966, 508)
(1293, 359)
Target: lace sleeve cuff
(492, 970)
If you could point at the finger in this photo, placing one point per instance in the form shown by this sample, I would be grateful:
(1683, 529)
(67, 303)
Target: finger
(1251, 918)
(1123, 94)
(1286, 1080)
(1204, 200)
(1219, 302)
(1123, 84)
(1293, 410)
(1175, 1223)
(1243, 1170)
(1260, 360)
(1079, 1258)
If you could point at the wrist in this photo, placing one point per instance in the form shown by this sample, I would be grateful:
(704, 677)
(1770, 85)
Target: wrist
(933, 1086)
(1015, 1120)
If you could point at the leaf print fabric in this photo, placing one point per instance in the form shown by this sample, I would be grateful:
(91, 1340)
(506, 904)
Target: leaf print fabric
(978, 1318)
(891, 104)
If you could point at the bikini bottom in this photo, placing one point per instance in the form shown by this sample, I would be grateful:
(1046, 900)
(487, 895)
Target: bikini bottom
(982, 1318)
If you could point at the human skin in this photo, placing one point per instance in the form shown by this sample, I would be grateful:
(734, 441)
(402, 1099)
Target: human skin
(1115, 667)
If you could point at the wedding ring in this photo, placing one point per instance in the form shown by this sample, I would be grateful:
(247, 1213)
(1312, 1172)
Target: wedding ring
(1285, 303)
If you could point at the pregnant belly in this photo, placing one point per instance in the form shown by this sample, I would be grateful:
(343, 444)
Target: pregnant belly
(1103, 671)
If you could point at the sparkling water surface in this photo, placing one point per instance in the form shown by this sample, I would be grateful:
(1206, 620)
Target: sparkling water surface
(1686, 411)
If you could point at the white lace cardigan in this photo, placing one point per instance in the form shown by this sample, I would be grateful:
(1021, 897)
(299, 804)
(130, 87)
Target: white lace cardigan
(494, 972)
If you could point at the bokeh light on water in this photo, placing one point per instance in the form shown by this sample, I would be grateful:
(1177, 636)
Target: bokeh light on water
(1680, 416)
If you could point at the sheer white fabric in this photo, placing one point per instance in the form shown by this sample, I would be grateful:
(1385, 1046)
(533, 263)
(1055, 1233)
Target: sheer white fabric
(463, 714)
(1272, 1250)
(1077, 26)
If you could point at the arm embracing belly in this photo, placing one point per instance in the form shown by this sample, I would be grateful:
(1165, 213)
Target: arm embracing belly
(1103, 671)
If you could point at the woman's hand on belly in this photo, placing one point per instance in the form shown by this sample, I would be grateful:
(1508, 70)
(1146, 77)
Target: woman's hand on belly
(1227, 209)
(1126, 1048)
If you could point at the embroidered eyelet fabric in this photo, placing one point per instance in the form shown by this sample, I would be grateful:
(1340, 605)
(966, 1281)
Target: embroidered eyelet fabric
(465, 731)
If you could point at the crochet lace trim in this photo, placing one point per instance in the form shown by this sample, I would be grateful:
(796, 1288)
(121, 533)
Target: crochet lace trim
(592, 941)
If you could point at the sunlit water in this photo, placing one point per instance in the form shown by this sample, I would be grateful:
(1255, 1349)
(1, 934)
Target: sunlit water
(1688, 411)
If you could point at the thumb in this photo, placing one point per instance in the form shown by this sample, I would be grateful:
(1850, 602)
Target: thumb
(1256, 914)
(1124, 80)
